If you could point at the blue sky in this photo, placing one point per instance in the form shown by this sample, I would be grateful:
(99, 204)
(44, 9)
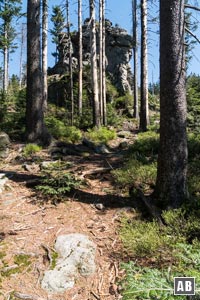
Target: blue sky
(119, 12)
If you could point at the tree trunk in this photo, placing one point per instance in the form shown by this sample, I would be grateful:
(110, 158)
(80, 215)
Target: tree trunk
(144, 111)
(35, 128)
(93, 56)
(70, 63)
(80, 76)
(100, 59)
(171, 189)
(104, 65)
(5, 62)
(44, 52)
(135, 59)
(21, 54)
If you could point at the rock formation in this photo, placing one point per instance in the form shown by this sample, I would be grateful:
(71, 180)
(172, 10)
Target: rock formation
(118, 54)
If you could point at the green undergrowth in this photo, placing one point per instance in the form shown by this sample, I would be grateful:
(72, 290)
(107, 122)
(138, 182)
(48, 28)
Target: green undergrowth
(31, 149)
(100, 135)
(60, 130)
(158, 253)
(140, 167)
(56, 181)
(21, 263)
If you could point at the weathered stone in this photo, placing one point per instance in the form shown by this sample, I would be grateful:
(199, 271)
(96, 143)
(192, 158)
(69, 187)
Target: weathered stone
(77, 255)
(119, 46)
(3, 180)
(4, 144)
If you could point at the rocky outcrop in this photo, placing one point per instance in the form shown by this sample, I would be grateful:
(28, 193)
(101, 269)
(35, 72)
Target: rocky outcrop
(119, 46)
(76, 258)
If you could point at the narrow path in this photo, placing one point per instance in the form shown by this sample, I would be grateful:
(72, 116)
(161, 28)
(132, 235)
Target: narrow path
(27, 225)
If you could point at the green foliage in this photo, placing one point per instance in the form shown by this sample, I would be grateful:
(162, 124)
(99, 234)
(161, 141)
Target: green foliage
(152, 283)
(146, 144)
(141, 238)
(193, 145)
(22, 262)
(135, 172)
(31, 149)
(54, 259)
(166, 251)
(123, 102)
(60, 131)
(57, 184)
(100, 135)
(146, 283)
(111, 91)
(193, 101)
(56, 181)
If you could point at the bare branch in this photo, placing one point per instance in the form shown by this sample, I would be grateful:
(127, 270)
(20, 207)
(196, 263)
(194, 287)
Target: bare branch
(192, 34)
(192, 7)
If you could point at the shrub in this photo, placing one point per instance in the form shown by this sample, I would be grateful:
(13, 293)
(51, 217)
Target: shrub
(193, 145)
(147, 143)
(101, 135)
(60, 131)
(31, 149)
(57, 184)
(141, 238)
(136, 173)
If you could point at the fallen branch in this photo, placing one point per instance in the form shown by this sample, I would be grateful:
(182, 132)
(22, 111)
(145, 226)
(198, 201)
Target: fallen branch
(26, 296)
(48, 252)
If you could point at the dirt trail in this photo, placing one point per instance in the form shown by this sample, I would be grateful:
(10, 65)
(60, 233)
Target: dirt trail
(30, 227)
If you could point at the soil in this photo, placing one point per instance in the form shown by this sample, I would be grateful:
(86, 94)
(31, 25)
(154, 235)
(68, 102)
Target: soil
(29, 226)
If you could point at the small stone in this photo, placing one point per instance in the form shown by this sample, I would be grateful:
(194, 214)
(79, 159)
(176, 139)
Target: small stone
(99, 206)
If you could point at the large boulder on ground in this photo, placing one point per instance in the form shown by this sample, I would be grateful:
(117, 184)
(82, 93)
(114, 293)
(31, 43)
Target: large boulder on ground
(76, 257)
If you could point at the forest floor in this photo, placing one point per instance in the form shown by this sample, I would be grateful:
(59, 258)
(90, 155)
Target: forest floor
(29, 226)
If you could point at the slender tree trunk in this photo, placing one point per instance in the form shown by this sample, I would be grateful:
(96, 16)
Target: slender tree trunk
(44, 51)
(171, 188)
(135, 59)
(5, 62)
(101, 59)
(35, 128)
(144, 111)
(80, 77)
(70, 63)
(104, 64)
(93, 55)
(21, 55)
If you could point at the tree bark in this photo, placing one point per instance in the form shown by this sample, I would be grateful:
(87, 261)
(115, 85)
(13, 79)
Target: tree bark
(104, 65)
(100, 59)
(44, 52)
(80, 76)
(135, 59)
(93, 57)
(144, 110)
(35, 128)
(70, 63)
(171, 189)
(5, 61)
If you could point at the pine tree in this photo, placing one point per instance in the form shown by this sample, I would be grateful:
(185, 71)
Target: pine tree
(58, 20)
(35, 127)
(144, 110)
(9, 10)
(93, 56)
(80, 60)
(171, 188)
